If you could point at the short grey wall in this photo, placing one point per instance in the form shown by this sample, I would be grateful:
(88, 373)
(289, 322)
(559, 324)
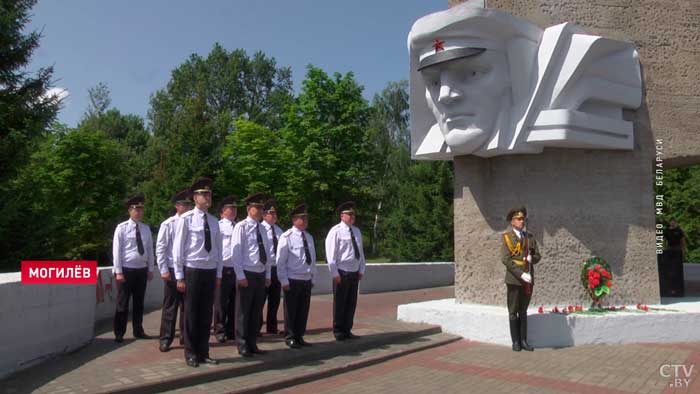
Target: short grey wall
(72, 310)
(406, 276)
(38, 321)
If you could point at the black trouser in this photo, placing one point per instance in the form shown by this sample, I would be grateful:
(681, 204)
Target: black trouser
(172, 301)
(674, 267)
(249, 305)
(272, 294)
(344, 302)
(225, 305)
(518, 302)
(297, 301)
(199, 303)
(134, 286)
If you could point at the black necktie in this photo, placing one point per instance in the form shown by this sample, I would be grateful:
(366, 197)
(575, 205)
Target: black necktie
(354, 244)
(261, 245)
(306, 249)
(139, 241)
(207, 233)
(274, 238)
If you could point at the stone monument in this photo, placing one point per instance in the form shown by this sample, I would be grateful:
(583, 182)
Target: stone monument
(553, 119)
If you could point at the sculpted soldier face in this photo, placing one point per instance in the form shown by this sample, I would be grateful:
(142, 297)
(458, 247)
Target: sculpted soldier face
(465, 96)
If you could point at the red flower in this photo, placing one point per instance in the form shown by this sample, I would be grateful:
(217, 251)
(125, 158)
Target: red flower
(623, 307)
(540, 309)
(570, 308)
(609, 284)
(579, 308)
(555, 310)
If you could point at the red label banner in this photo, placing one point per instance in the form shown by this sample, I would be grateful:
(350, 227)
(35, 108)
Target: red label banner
(66, 272)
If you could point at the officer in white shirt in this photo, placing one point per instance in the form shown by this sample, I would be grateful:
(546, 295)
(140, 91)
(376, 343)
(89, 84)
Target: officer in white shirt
(198, 266)
(172, 299)
(132, 252)
(225, 300)
(346, 261)
(273, 292)
(296, 268)
(249, 246)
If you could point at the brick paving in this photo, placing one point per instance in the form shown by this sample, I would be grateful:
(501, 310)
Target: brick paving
(466, 366)
(392, 357)
(105, 366)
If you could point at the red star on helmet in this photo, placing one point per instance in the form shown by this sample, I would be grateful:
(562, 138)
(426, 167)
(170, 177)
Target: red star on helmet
(439, 45)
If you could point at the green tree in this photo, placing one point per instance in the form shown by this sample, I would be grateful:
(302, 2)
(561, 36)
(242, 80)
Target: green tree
(70, 197)
(419, 224)
(192, 116)
(413, 213)
(100, 99)
(389, 138)
(253, 160)
(326, 133)
(681, 191)
(25, 110)
(26, 114)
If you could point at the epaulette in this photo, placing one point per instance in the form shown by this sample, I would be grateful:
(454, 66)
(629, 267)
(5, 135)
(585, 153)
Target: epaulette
(186, 214)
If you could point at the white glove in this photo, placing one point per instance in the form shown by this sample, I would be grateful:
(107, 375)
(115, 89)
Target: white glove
(526, 277)
(529, 259)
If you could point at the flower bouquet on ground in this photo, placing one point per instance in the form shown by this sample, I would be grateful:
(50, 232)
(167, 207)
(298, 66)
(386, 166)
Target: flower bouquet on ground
(596, 279)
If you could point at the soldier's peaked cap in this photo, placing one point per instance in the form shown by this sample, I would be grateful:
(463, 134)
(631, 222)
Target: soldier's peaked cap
(346, 207)
(136, 201)
(517, 212)
(202, 185)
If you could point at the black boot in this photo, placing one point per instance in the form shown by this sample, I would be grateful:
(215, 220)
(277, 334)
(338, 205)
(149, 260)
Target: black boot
(515, 334)
(523, 334)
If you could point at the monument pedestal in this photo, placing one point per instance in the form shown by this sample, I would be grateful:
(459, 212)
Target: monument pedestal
(484, 323)
(580, 204)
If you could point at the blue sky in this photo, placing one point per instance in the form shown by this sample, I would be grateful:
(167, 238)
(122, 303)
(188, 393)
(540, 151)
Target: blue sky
(132, 46)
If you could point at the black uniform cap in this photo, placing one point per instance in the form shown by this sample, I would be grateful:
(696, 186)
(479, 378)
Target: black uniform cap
(202, 185)
(256, 199)
(346, 207)
(136, 201)
(299, 210)
(270, 206)
(183, 197)
(229, 201)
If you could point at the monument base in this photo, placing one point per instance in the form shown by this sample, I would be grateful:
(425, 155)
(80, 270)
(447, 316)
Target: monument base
(486, 323)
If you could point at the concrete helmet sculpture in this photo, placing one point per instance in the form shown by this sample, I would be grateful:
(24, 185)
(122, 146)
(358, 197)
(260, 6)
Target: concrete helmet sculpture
(486, 83)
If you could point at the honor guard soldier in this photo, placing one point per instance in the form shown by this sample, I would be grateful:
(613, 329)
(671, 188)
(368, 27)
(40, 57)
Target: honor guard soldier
(249, 251)
(132, 250)
(225, 304)
(198, 266)
(346, 261)
(296, 268)
(172, 299)
(273, 292)
(519, 253)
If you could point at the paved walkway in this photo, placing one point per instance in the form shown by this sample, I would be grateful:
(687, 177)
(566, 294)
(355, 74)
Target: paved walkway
(391, 357)
(137, 365)
(471, 367)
